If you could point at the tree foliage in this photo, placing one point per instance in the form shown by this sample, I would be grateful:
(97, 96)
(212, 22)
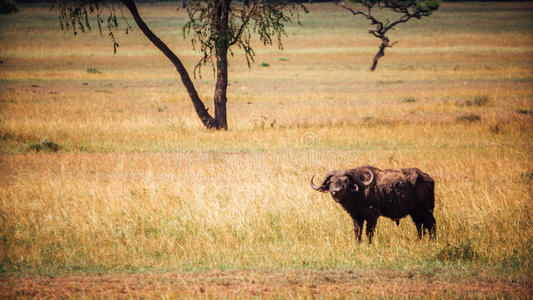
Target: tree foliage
(264, 18)
(405, 10)
(75, 16)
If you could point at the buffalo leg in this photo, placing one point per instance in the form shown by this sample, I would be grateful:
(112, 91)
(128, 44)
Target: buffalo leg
(431, 225)
(370, 226)
(418, 223)
(358, 228)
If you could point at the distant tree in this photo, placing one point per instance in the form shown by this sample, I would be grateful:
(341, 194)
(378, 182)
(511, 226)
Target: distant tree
(8, 6)
(215, 27)
(404, 9)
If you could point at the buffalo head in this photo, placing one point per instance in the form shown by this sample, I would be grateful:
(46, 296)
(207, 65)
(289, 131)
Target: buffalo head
(339, 182)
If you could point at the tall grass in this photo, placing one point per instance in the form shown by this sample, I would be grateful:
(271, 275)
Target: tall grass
(137, 184)
(213, 210)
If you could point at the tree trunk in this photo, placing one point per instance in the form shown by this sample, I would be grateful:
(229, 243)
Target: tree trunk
(208, 121)
(379, 55)
(221, 87)
(220, 29)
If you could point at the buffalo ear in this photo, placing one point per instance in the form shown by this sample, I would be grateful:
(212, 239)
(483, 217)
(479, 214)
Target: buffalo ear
(353, 185)
(354, 180)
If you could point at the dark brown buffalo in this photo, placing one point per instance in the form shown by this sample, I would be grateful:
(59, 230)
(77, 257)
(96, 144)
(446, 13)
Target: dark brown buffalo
(368, 192)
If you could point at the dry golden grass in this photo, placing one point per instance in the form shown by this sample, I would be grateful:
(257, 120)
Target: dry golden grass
(138, 185)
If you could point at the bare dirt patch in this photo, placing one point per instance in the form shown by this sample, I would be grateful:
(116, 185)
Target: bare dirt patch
(251, 284)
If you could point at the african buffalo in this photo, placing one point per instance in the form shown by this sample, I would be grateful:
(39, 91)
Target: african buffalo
(368, 192)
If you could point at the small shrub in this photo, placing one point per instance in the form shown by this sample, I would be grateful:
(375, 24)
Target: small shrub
(469, 118)
(93, 71)
(35, 146)
(408, 100)
(45, 145)
(524, 111)
(264, 64)
(477, 101)
(481, 100)
(283, 59)
(463, 251)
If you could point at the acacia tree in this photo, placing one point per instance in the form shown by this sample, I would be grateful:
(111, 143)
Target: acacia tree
(216, 27)
(404, 10)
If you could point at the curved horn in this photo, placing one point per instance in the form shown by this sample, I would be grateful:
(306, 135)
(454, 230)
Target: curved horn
(358, 181)
(369, 181)
(315, 187)
(324, 185)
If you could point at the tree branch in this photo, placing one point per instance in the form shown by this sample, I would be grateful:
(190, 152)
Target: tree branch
(244, 22)
(355, 13)
(202, 112)
(402, 19)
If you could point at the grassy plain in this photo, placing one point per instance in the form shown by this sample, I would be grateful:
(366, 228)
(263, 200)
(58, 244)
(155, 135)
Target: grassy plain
(139, 191)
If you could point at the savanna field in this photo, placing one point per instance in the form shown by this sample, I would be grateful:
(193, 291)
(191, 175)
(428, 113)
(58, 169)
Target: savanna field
(110, 186)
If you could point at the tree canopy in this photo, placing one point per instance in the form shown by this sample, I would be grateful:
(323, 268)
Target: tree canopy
(404, 10)
(265, 19)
